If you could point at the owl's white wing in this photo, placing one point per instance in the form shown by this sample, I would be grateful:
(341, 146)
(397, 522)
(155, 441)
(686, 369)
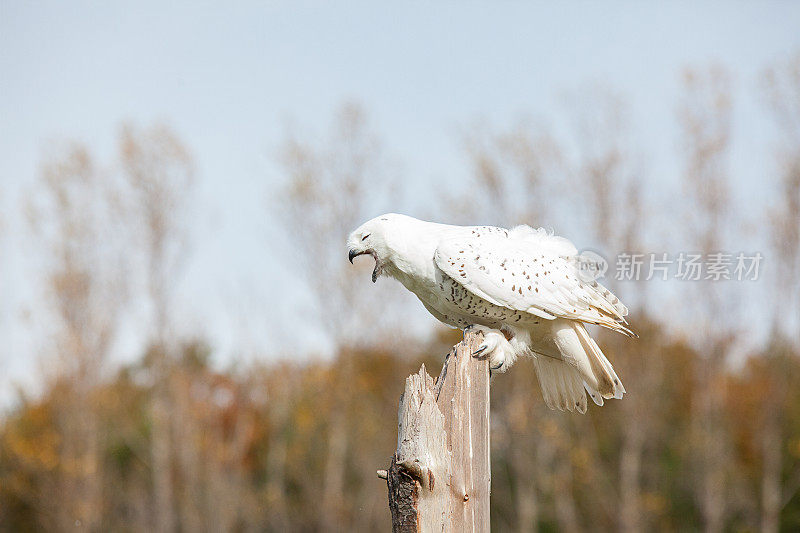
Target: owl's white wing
(530, 271)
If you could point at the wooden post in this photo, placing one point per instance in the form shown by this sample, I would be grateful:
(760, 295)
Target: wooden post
(439, 478)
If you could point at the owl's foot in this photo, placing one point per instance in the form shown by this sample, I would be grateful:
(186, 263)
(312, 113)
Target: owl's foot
(495, 347)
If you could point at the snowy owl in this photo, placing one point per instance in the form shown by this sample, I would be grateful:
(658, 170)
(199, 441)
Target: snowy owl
(520, 287)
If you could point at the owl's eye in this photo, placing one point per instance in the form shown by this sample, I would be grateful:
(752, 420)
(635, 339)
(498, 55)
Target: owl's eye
(364, 238)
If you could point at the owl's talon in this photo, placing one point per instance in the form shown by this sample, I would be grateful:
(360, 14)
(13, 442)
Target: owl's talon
(494, 347)
(477, 353)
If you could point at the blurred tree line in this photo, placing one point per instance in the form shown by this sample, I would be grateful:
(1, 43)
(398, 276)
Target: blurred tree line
(171, 442)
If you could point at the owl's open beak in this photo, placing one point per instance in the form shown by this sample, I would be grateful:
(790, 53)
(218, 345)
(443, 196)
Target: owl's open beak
(352, 254)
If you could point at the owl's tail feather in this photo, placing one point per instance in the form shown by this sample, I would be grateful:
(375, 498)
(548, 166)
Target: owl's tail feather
(562, 385)
(581, 362)
(609, 384)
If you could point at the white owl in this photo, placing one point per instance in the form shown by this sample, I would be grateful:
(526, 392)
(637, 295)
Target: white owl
(520, 287)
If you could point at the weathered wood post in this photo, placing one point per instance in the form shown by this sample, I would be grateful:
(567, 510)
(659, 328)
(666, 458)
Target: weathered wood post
(439, 478)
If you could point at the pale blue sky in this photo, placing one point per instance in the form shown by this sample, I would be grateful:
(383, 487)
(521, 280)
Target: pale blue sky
(230, 79)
